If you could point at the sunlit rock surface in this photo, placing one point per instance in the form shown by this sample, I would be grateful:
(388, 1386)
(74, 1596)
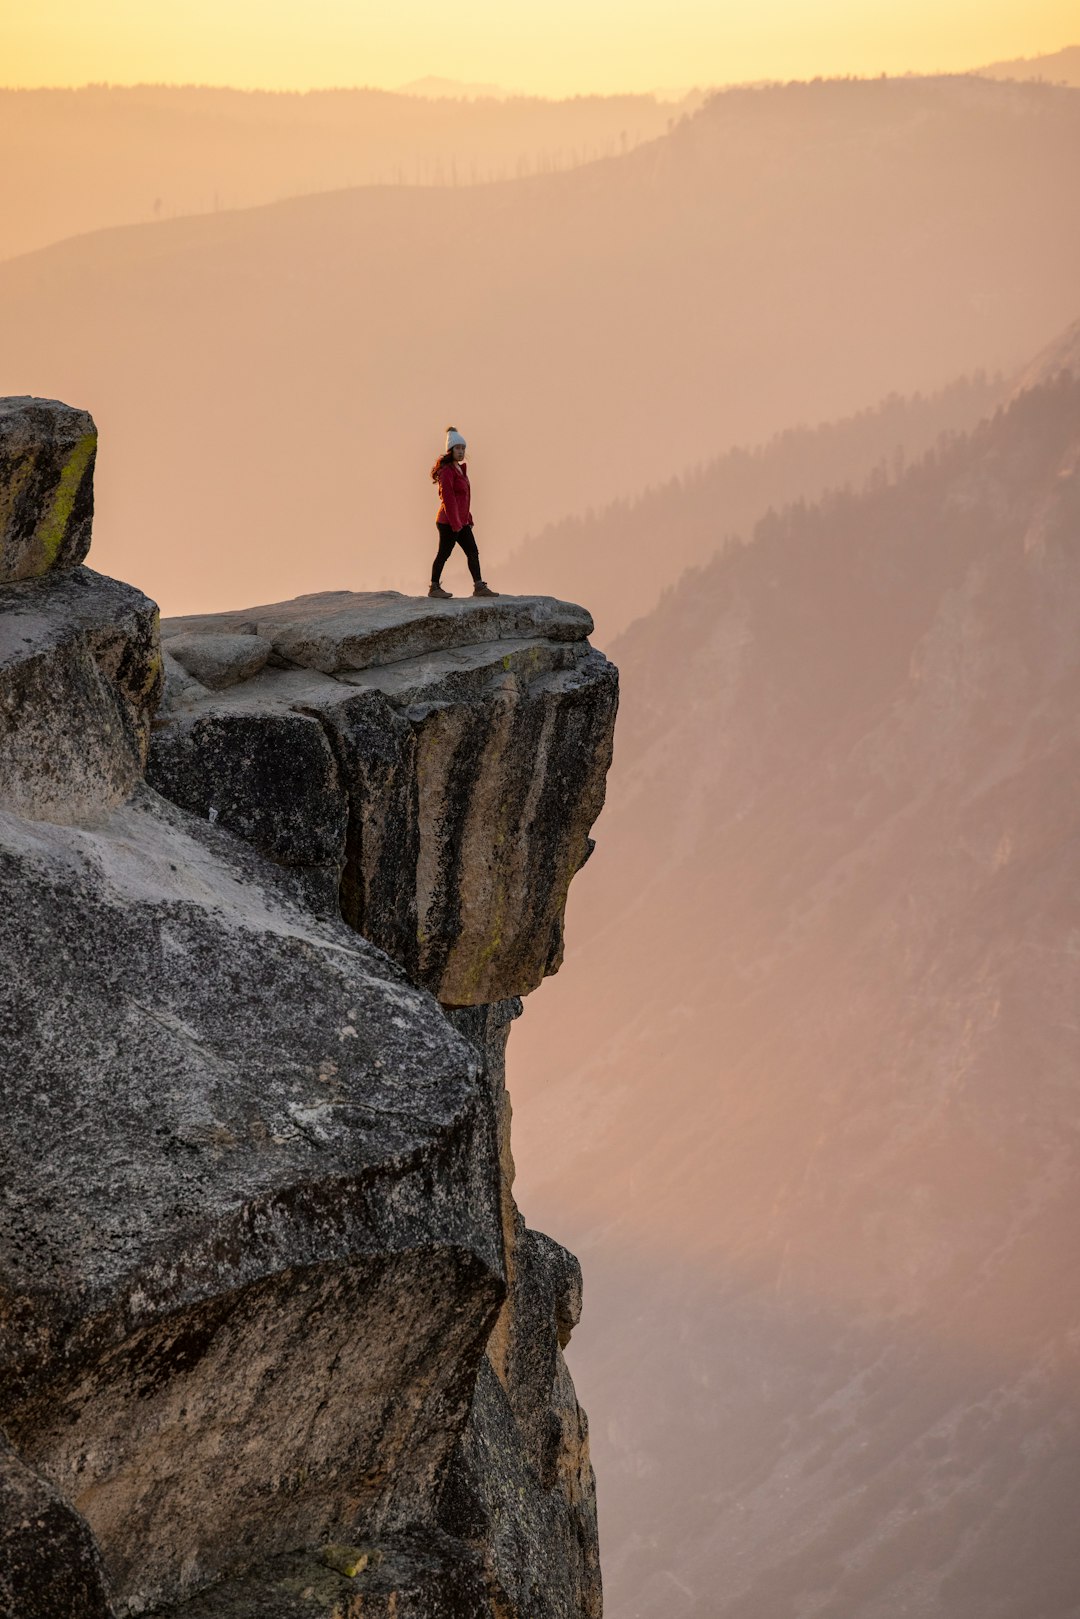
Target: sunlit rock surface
(274, 1339)
(254, 1243)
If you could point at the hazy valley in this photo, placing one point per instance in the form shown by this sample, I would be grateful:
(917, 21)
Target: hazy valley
(273, 379)
(820, 1142)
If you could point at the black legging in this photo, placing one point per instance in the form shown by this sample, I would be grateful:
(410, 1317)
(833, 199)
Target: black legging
(447, 540)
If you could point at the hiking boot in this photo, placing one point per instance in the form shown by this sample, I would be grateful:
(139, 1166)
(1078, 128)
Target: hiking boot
(437, 590)
(484, 590)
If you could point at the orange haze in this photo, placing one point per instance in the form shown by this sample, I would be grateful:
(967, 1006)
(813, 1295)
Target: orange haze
(560, 48)
(737, 371)
(272, 383)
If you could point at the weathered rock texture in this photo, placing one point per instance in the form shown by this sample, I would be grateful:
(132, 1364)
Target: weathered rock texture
(432, 767)
(253, 1245)
(49, 1562)
(521, 1488)
(80, 674)
(47, 453)
(424, 1575)
(274, 1340)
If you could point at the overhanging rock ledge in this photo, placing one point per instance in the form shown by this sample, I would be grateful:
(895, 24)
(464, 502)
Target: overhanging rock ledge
(432, 768)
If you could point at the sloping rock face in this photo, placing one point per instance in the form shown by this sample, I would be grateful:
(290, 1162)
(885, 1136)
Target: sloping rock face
(274, 1340)
(80, 674)
(252, 1236)
(433, 768)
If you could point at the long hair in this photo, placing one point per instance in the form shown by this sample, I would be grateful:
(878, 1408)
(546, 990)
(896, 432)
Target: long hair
(444, 460)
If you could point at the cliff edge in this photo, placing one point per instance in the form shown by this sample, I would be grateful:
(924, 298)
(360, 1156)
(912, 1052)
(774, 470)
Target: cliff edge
(274, 1337)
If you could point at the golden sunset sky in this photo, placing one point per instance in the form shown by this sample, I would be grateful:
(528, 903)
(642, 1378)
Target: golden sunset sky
(550, 47)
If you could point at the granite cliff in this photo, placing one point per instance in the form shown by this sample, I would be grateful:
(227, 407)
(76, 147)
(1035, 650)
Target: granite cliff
(275, 1338)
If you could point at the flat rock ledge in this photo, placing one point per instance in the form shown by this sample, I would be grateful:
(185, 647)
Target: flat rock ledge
(340, 630)
(429, 769)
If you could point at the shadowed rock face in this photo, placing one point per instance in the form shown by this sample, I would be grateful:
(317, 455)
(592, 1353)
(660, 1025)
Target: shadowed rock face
(49, 1563)
(274, 1340)
(521, 1487)
(47, 453)
(516, 1516)
(270, 777)
(411, 1576)
(439, 764)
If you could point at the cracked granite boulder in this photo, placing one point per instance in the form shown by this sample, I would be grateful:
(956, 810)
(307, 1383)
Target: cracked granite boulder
(47, 454)
(271, 777)
(462, 762)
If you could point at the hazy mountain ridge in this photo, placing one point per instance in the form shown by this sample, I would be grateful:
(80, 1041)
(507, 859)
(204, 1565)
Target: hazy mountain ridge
(828, 1059)
(147, 152)
(606, 556)
(785, 255)
(1057, 67)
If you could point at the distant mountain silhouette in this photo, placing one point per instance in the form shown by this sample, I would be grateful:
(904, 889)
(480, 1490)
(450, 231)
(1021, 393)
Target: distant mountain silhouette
(274, 382)
(820, 1148)
(117, 155)
(438, 88)
(623, 557)
(1056, 67)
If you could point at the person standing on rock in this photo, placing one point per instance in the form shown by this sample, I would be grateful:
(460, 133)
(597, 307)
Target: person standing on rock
(454, 518)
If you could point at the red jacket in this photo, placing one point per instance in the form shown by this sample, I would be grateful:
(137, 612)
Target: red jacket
(454, 496)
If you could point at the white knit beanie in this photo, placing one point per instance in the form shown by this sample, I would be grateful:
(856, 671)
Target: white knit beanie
(453, 437)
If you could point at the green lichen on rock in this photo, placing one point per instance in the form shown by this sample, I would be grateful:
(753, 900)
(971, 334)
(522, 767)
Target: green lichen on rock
(53, 528)
(349, 1560)
(473, 970)
(47, 455)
